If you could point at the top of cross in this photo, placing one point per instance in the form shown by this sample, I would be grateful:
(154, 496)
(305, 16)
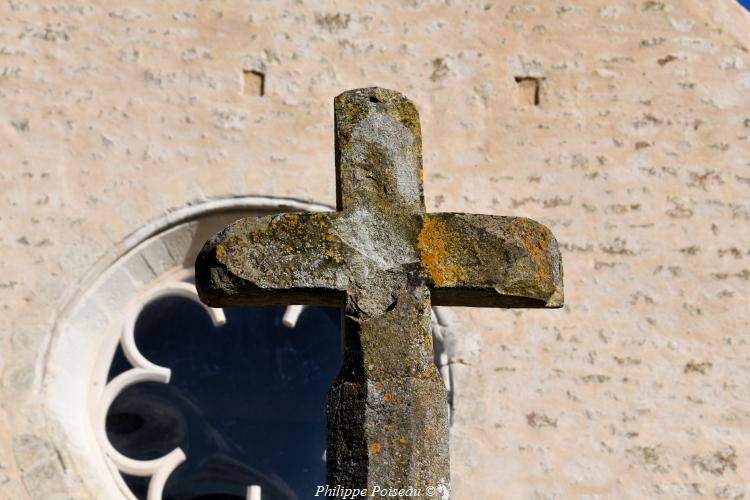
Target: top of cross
(379, 152)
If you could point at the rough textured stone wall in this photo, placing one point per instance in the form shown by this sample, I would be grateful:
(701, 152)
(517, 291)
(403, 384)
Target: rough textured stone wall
(623, 126)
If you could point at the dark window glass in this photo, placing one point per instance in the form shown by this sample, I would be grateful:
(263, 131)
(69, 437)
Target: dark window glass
(246, 402)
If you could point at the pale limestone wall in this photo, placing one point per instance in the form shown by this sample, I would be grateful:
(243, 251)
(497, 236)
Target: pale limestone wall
(637, 157)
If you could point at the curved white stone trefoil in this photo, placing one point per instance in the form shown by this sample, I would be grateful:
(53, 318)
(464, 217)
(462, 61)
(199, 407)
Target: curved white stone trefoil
(143, 370)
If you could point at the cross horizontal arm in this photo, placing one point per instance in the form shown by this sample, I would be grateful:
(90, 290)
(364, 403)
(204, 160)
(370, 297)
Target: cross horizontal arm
(290, 258)
(490, 261)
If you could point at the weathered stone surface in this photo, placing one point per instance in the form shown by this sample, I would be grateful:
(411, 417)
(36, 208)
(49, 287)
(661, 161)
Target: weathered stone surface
(477, 260)
(385, 261)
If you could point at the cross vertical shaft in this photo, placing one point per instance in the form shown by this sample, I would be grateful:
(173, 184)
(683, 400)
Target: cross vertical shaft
(391, 416)
(387, 409)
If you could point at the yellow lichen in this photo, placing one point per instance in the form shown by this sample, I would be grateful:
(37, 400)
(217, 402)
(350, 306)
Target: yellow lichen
(405, 112)
(438, 249)
(292, 219)
(219, 250)
(537, 245)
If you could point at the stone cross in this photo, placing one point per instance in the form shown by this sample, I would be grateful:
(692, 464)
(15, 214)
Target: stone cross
(385, 262)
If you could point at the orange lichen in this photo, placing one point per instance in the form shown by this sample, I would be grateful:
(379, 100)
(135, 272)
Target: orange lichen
(375, 448)
(437, 247)
(378, 386)
(387, 426)
(536, 244)
(428, 432)
(402, 440)
(387, 396)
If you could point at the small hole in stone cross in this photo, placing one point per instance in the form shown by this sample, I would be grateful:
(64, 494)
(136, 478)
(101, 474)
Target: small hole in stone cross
(528, 88)
(374, 99)
(253, 83)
